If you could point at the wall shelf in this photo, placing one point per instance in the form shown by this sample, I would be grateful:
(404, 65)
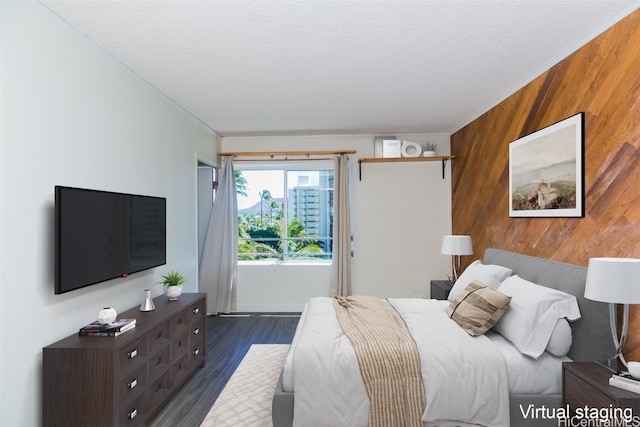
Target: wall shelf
(402, 160)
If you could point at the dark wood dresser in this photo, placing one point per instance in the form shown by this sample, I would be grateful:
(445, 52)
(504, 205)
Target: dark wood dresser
(125, 380)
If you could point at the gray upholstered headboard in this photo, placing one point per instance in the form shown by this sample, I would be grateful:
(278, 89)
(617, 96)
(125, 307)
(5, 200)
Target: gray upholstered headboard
(592, 333)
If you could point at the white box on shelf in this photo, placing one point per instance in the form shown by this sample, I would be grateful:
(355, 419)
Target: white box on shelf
(391, 148)
(377, 145)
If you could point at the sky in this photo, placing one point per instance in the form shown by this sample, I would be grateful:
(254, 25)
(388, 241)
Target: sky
(258, 181)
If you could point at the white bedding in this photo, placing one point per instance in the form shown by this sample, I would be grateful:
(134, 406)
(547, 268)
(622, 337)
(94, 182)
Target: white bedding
(469, 385)
(528, 375)
(525, 373)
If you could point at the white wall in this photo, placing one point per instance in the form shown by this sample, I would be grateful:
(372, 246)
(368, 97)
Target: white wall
(400, 213)
(280, 287)
(73, 115)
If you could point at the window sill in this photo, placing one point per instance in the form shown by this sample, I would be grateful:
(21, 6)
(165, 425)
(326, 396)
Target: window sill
(284, 263)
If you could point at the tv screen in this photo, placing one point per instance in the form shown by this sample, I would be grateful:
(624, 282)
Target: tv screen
(102, 235)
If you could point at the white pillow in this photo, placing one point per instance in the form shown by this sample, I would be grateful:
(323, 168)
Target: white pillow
(561, 338)
(490, 275)
(533, 314)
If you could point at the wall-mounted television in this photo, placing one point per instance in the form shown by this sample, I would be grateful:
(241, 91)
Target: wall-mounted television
(102, 235)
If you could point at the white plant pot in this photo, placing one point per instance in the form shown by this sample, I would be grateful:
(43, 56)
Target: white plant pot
(429, 153)
(173, 292)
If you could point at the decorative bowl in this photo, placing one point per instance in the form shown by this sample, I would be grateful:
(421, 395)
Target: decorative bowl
(634, 369)
(107, 315)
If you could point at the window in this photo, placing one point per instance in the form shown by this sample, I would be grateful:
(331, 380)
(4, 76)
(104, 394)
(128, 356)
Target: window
(285, 210)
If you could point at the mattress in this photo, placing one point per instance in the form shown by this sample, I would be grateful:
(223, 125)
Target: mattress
(525, 374)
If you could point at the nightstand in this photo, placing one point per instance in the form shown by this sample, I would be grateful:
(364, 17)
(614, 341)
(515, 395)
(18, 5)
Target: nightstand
(440, 289)
(587, 384)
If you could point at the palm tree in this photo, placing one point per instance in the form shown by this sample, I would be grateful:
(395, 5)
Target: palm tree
(266, 196)
(260, 238)
(273, 205)
(241, 183)
(248, 247)
(297, 241)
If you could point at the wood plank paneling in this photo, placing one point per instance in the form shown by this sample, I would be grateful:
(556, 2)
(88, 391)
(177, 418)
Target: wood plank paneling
(601, 79)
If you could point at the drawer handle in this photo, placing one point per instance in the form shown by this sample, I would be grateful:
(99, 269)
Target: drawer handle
(132, 384)
(196, 352)
(131, 415)
(133, 353)
(196, 331)
(196, 310)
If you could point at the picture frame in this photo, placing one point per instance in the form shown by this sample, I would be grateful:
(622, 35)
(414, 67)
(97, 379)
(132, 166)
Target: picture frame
(546, 171)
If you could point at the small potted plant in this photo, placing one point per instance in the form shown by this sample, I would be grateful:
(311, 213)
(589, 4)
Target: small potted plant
(430, 149)
(172, 282)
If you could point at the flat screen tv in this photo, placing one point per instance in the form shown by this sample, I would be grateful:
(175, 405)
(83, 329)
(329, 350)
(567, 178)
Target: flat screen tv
(102, 235)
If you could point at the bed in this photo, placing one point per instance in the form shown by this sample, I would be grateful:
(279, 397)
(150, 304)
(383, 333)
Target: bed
(590, 340)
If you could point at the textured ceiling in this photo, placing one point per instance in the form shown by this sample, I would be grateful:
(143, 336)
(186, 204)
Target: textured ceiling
(340, 67)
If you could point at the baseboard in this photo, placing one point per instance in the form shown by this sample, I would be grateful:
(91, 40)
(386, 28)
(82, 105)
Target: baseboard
(268, 308)
(256, 314)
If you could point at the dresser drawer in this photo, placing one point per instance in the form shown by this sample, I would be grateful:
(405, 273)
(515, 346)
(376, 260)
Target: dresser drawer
(133, 355)
(197, 333)
(159, 391)
(159, 338)
(133, 383)
(198, 314)
(134, 413)
(158, 364)
(197, 354)
(180, 324)
(179, 346)
(181, 370)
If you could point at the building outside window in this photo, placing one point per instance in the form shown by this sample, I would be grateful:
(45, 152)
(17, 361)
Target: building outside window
(285, 211)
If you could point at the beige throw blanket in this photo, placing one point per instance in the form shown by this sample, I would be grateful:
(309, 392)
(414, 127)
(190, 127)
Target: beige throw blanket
(388, 359)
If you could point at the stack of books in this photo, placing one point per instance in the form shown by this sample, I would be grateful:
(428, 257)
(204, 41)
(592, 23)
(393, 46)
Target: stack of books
(625, 381)
(97, 329)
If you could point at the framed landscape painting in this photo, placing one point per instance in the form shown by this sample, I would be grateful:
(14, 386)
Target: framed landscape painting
(546, 171)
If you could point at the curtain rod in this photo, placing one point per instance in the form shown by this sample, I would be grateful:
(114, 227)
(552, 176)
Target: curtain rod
(281, 159)
(285, 153)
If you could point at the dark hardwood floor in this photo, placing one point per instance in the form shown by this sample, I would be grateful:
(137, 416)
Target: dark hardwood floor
(228, 340)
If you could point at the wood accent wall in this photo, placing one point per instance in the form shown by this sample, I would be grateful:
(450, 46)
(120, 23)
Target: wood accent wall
(601, 79)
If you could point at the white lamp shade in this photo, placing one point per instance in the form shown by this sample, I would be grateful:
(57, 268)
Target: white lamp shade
(613, 280)
(456, 245)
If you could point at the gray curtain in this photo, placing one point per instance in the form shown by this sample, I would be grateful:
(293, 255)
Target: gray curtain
(341, 262)
(219, 265)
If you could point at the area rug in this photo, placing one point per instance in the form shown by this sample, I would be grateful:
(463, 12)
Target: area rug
(246, 399)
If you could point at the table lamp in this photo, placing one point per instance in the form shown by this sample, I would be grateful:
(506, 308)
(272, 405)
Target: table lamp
(616, 281)
(456, 246)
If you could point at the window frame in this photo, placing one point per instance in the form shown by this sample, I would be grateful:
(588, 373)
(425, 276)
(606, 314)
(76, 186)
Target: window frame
(291, 166)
